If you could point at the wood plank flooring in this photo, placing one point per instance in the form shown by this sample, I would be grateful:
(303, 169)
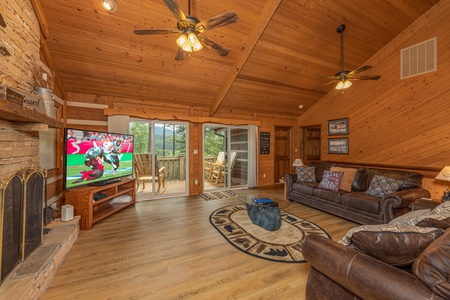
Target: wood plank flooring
(167, 249)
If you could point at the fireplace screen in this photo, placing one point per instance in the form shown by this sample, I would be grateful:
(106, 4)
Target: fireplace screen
(22, 199)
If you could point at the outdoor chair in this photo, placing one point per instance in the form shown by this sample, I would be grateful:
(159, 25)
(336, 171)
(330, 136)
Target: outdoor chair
(220, 172)
(143, 172)
(209, 166)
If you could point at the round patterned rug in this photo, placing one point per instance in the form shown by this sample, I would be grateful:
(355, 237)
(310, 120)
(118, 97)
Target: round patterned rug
(282, 245)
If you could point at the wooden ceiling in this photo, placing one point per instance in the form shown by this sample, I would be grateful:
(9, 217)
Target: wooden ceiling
(278, 49)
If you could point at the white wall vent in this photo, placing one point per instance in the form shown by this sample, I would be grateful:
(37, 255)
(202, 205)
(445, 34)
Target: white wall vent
(419, 59)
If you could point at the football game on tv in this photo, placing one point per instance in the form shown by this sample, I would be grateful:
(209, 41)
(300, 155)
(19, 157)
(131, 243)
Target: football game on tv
(96, 158)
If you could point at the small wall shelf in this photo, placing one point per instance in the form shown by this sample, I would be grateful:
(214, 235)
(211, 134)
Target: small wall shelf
(14, 112)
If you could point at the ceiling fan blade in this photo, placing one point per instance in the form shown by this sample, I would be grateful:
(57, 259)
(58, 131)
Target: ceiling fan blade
(360, 69)
(331, 77)
(366, 77)
(331, 82)
(175, 9)
(155, 31)
(226, 18)
(180, 54)
(213, 45)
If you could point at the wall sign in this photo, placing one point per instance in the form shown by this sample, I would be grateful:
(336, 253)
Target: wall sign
(264, 143)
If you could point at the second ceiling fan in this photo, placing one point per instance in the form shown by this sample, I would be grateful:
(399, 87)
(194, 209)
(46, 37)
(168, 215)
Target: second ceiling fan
(190, 29)
(343, 77)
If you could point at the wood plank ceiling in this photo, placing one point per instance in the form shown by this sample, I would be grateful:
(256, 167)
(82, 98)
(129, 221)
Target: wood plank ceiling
(278, 49)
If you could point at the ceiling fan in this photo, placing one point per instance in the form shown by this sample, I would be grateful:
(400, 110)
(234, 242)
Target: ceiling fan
(343, 77)
(190, 28)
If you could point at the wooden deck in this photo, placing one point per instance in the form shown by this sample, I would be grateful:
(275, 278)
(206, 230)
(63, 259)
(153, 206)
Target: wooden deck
(167, 249)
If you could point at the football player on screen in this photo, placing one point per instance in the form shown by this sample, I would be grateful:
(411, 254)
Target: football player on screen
(93, 159)
(114, 151)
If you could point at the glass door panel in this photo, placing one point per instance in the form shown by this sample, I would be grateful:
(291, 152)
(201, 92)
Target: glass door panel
(160, 158)
(238, 166)
(214, 156)
(225, 152)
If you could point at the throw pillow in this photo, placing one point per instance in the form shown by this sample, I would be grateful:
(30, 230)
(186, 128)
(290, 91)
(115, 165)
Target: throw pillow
(410, 217)
(347, 179)
(306, 174)
(430, 222)
(330, 180)
(380, 186)
(443, 208)
(397, 245)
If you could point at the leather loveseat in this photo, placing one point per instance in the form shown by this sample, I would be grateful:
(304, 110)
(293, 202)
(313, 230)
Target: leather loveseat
(354, 203)
(342, 272)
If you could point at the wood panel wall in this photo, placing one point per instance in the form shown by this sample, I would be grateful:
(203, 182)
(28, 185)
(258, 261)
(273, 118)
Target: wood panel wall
(392, 121)
(92, 116)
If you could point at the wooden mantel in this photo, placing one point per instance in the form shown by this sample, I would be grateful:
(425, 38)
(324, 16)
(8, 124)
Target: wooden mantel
(14, 112)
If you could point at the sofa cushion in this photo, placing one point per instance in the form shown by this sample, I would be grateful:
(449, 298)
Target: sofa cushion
(413, 180)
(432, 266)
(306, 174)
(380, 186)
(397, 245)
(331, 180)
(357, 184)
(361, 201)
(306, 188)
(347, 179)
(328, 195)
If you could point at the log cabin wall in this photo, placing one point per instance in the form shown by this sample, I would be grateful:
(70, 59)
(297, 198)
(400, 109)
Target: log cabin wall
(21, 147)
(392, 121)
(87, 111)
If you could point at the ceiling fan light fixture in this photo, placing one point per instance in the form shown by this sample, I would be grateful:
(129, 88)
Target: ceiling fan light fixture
(343, 84)
(109, 5)
(189, 42)
(182, 40)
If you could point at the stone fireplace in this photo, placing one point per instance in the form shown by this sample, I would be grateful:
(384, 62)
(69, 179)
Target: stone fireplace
(22, 202)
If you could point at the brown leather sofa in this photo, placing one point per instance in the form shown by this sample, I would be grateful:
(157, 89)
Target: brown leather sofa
(342, 272)
(356, 205)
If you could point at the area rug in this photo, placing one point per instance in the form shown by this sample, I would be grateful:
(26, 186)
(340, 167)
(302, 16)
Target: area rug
(282, 245)
(218, 195)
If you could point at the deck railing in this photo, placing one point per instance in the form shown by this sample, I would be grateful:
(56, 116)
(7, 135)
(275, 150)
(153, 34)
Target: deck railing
(176, 166)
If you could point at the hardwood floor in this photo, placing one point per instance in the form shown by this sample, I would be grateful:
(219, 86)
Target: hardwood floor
(167, 249)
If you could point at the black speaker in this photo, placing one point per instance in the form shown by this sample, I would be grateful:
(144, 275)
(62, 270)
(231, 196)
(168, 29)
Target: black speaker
(48, 215)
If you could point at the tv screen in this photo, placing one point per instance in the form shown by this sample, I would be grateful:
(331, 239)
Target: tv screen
(96, 158)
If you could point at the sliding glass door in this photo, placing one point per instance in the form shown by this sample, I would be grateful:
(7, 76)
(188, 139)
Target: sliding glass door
(225, 153)
(160, 158)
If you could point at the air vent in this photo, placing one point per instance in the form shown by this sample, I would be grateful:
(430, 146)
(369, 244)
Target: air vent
(419, 59)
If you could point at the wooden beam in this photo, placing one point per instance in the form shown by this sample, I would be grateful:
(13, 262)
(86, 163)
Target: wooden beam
(48, 58)
(265, 17)
(153, 115)
(280, 84)
(30, 127)
(41, 17)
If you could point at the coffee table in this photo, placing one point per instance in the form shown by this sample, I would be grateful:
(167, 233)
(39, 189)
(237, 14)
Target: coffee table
(264, 215)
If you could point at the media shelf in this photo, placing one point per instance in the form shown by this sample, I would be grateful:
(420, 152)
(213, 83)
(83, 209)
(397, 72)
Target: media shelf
(92, 211)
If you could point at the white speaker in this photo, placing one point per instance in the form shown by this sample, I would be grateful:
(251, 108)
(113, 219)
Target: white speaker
(66, 212)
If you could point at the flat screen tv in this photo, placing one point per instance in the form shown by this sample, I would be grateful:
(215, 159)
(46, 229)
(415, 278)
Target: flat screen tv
(96, 158)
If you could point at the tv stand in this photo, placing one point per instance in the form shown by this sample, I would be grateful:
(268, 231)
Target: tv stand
(91, 209)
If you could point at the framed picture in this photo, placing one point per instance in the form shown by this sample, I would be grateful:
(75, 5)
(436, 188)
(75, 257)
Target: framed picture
(337, 146)
(338, 126)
